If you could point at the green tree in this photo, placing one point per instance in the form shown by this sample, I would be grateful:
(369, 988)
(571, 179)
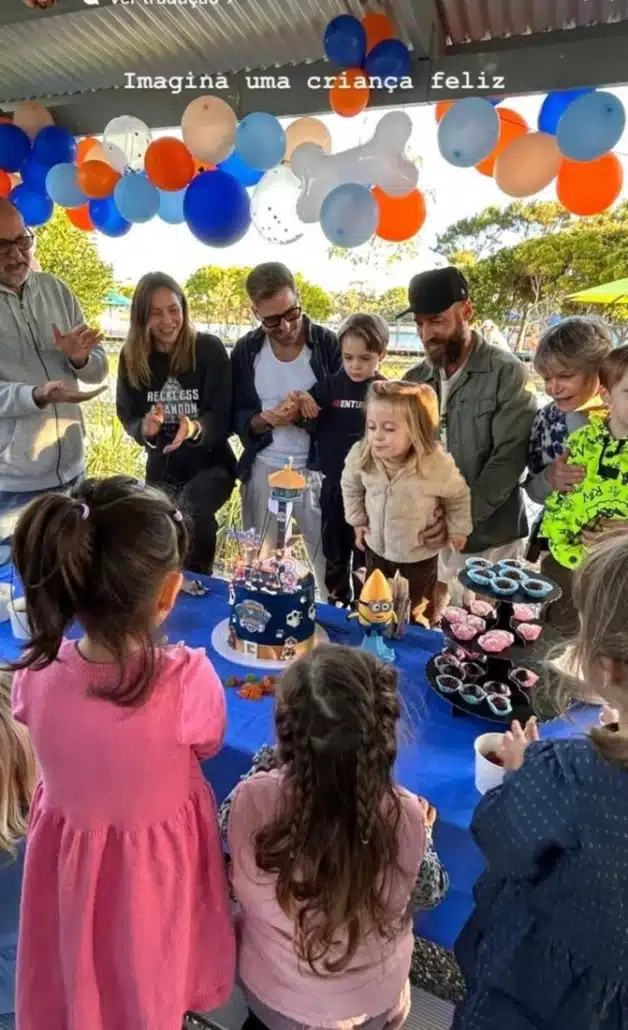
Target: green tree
(125, 289)
(217, 296)
(316, 301)
(71, 254)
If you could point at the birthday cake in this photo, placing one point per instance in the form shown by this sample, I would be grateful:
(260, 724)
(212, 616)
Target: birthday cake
(272, 599)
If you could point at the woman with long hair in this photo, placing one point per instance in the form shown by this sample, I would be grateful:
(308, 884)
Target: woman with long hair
(174, 399)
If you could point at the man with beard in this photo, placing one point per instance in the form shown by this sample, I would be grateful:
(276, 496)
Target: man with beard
(486, 414)
(286, 355)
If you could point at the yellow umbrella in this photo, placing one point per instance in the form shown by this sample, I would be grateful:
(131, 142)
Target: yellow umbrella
(608, 293)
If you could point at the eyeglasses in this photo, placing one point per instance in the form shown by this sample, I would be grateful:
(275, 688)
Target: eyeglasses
(274, 321)
(23, 243)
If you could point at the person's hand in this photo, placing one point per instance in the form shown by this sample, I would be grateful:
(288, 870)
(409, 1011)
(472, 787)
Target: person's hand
(512, 747)
(153, 421)
(602, 530)
(308, 408)
(435, 535)
(360, 534)
(563, 477)
(457, 542)
(282, 414)
(78, 344)
(187, 429)
(58, 392)
(608, 716)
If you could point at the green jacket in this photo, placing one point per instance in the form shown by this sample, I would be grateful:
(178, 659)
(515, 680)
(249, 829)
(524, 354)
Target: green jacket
(489, 418)
(603, 493)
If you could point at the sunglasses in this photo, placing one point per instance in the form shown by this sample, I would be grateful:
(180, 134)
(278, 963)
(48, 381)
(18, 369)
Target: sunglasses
(274, 321)
(23, 243)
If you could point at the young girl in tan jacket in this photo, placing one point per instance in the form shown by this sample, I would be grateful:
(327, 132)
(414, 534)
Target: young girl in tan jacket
(393, 480)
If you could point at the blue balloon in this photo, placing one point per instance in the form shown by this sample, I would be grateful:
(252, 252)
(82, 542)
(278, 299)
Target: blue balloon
(349, 215)
(235, 166)
(591, 126)
(62, 187)
(136, 198)
(54, 145)
(171, 206)
(107, 219)
(217, 209)
(35, 208)
(468, 132)
(555, 105)
(345, 41)
(389, 59)
(34, 174)
(260, 141)
(15, 147)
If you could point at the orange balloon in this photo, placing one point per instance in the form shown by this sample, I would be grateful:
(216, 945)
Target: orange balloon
(96, 179)
(511, 126)
(5, 184)
(378, 27)
(202, 166)
(400, 218)
(350, 93)
(83, 148)
(80, 217)
(169, 164)
(589, 187)
(442, 108)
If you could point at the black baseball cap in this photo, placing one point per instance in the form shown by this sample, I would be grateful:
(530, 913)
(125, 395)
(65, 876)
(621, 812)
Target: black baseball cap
(431, 292)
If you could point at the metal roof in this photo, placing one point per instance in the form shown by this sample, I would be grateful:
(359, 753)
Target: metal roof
(467, 21)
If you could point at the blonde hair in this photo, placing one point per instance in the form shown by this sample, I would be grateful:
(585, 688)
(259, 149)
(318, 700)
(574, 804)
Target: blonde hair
(581, 343)
(18, 771)
(135, 354)
(418, 403)
(600, 595)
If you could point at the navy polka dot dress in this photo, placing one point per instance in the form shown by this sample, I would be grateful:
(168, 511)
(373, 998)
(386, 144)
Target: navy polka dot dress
(546, 947)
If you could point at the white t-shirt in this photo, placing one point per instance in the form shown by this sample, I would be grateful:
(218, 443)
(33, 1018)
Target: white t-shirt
(446, 386)
(274, 380)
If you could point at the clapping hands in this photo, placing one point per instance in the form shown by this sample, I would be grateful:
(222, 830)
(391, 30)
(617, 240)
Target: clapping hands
(78, 344)
(515, 742)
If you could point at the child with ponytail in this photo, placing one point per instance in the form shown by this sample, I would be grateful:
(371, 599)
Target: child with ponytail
(328, 856)
(546, 946)
(125, 920)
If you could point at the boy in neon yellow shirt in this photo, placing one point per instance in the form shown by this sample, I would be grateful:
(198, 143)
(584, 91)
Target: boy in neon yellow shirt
(601, 448)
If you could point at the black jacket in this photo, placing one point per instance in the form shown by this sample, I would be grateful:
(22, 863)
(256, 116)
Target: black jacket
(203, 393)
(325, 361)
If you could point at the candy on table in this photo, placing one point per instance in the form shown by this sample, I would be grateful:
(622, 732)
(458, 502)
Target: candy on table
(504, 585)
(496, 640)
(473, 694)
(493, 687)
(453, 614)
(252, 687)
(482, 608)
(524, 612)
(456, 653)
(463, 631)
(524, 677)
(499, 705)
(537, 587)
(479, 563)
(530, 631)
(448, 684)
(478, 624)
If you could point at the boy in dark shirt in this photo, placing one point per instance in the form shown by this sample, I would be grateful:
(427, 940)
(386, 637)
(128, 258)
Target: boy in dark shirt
(337, 403)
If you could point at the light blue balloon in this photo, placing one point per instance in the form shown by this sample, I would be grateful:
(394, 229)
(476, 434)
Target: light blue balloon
(136, 198)
(591, 126)
(349, 215)
(260, 141)
(468, 132)
(61, 186)
(171, 206)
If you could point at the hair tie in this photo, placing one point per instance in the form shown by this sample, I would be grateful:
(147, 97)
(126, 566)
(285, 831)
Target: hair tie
(84, 511)
(177, 516)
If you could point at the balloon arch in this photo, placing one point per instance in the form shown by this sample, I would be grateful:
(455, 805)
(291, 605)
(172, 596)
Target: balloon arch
(224, 176)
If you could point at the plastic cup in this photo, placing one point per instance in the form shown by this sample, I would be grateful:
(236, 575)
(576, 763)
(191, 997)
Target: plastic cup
(487, 774)
(19, 622)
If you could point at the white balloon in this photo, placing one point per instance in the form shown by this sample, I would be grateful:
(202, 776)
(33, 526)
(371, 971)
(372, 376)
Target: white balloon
(131, 136)
(274, 206)
(380, 162)
(111, 154)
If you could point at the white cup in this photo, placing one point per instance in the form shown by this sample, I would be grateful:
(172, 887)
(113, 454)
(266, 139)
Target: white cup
(5, 599)
(487, 774)
(19, 622)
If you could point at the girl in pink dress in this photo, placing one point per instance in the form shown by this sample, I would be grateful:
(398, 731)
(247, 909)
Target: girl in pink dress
(125, 918)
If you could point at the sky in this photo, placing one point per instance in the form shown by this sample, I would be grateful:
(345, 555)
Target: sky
(458, 193)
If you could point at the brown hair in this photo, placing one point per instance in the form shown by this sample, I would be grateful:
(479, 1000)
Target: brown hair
(138, 346)
(614, 368)
(371, 329)
(18, 771)
(334, 845)
(578, 342)
(99, 556)
(267, 279)
(419, 405)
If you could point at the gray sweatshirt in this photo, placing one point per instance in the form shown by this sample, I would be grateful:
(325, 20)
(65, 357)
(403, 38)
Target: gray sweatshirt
(40, 448)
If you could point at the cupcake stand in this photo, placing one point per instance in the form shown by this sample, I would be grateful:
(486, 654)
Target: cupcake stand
(496, 645)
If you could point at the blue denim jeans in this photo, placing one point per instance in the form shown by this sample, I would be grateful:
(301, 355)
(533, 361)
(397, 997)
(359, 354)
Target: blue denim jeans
(12, 504)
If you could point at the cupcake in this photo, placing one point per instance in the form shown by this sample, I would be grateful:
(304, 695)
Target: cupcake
(473, 671)
(524, 612)
(481, 577)
(496, 641)
(530, 631)
(499, 705)
(492, 687)
(504, 585)
(457, 671)
(455, 654)
(479, 563)
(510, 563)
(453, 614)
(537, 587)
(447, 660)
(473, 694)
(448, 684)
(482, 609)
(524, 678)
(478, 624)
(463, 631)
(516, 575)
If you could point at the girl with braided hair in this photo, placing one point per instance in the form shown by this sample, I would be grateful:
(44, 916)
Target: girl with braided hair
(326, 854)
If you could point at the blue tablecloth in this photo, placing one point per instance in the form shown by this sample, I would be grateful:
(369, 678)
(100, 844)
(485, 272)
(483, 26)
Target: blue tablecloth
(435, 759)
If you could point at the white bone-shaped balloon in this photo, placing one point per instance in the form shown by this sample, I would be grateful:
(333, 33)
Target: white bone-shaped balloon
(380, 162)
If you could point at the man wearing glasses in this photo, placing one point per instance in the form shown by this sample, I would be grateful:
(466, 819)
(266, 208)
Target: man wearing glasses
(45, 349)
(288, 353)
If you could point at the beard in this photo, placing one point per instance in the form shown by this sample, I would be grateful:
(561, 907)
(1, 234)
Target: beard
(448, 352)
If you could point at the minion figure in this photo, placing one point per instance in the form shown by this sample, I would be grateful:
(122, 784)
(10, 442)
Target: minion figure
(375, 614)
